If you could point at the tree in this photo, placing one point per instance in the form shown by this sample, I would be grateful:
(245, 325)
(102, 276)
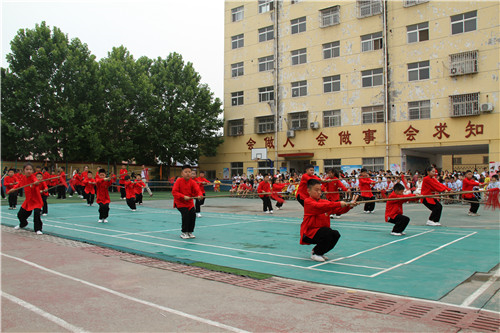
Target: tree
(185, 122)
(47, 94)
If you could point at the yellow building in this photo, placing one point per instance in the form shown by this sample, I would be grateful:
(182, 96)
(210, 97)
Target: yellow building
(381, 84)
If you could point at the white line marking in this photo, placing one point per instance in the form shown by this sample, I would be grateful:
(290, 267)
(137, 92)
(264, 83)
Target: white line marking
(468, 301)
(423, 255)
(130, 298)
(46, 315)
(373, 248)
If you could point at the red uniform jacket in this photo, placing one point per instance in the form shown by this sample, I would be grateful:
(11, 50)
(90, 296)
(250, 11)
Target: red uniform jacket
(33, 198)
(183, 188)
(9, 181)
(333, 186)
(139, 185)
(468, 185)
(89, 184)
(317, 215)
(302, 190)
(277, 188)
(431, 185)
(62, 179)
(365, 187)
(129, 189)
(102, 191)
(264, 187)
(395, 207)
(200, 181)
(43, 187)
(123, 173)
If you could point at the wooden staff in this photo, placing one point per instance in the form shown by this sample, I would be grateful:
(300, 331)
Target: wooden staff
(422, 196)
(35, 183)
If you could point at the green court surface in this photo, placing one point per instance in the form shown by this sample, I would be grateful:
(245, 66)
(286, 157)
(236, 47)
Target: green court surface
(426, 263)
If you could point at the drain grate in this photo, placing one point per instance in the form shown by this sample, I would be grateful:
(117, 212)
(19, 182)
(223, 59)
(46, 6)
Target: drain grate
(452, 317)
(486, 323)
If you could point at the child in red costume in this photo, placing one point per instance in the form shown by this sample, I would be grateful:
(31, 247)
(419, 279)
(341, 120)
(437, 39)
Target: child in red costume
(265, 187)
(430, 185)
(184, 190)
(201, 181)
(102, 188)
(468, 185)
(89, 191)
(315, 228)
(333, 185)
(33, 199)
(10, 181)
(365, 187)
(394, 210)
(302, 191)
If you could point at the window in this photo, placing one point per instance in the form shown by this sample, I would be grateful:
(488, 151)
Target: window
(236, 168)
(298, 25)
(464, 105)
(330, 16)
(486, 160)
(266, 63)
(457, 160)
(371, 42)
(464, 22)
(265, 124)
(235, 127)
(369, 8)
(331, 83)
(265, 167)
(417, 32)
(335, 164)
(266, 6)
(418, 71)
(266, 94)
(419, 110)
(331, 50)
(373, 114)
(295, 1)
(237, 69)
(237, 41)
(373, 163)
(299, 57)
(237, 98)
(210, 174)
(266, 33)
(409, 3)
(331, 118)
(298, 120)
(372, 77)
(299, 88)
(463, 63)
(237, 14)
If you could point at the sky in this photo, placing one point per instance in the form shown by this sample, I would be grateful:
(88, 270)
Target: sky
(152, 28)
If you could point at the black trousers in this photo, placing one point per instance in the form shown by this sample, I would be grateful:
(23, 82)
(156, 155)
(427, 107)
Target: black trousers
(266, 201)
(90, 198)
(103, 211)
(138, 198)
(199, 203)
(299, 199)
(131, 203)
(369, 207)
(400, 223)
(45, 209)
(188, 218)
(435, 209)
(61, 192)
(123, 194)
(13, 199)
(474, 206)
(279, 204)
(325, 240)
(23, 215)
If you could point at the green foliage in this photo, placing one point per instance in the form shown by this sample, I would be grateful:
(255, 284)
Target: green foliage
(59, 103)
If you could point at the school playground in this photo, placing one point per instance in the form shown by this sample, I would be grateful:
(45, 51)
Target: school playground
(427, 263)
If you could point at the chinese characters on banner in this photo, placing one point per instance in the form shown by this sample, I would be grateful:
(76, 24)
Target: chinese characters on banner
(411, 134)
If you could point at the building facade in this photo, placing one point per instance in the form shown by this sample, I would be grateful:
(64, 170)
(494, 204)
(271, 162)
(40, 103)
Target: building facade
(381, 84)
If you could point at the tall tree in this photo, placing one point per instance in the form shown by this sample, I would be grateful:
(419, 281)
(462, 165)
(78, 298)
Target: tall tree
(49, 85)
(185, 123)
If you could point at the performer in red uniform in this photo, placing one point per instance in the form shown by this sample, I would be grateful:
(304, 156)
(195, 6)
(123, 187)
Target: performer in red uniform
(276, 188)
(44, 191)
(302, 192)
(430, 185)
(102, 188)
(139, 188)
(33, 200)
(89, 190)
(315, 228)
(468, 185)
(123, 173)
(365, 187)
(333, 184)
(265, 186)
(10, 181)
(394, 210)
(184, 190)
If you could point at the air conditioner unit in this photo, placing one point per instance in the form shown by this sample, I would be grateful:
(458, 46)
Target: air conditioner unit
(487, 107)
(314, 125)
(290, 134)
